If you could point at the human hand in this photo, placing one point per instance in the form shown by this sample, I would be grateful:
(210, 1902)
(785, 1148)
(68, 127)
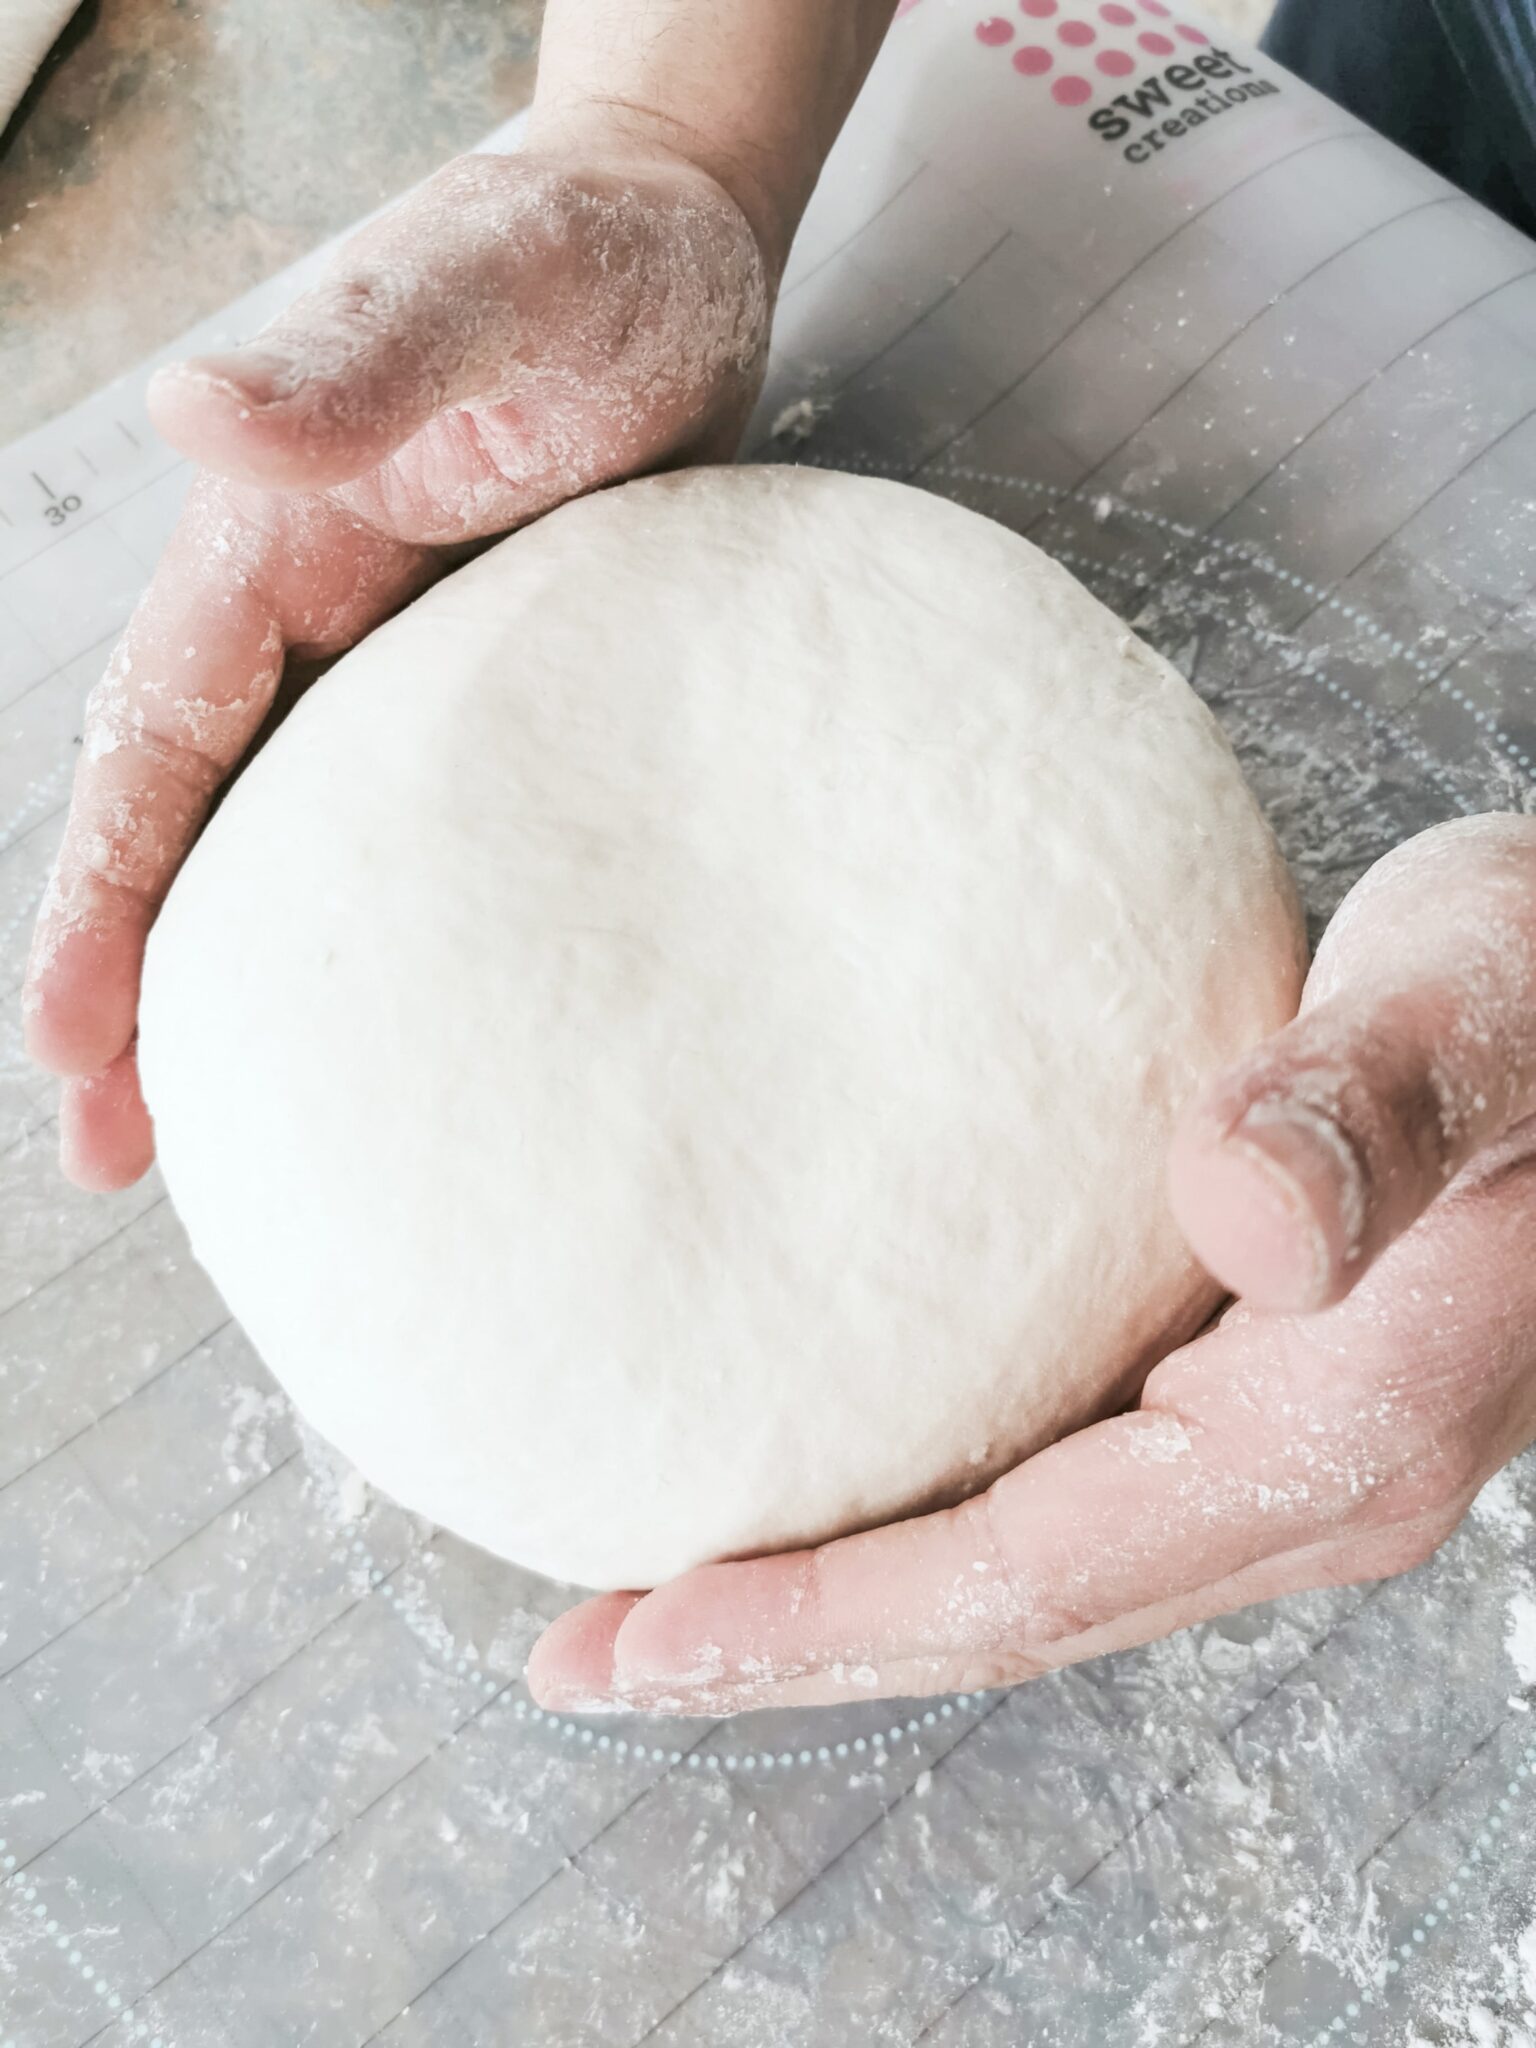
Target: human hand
(1366, 1181)
(518, 330)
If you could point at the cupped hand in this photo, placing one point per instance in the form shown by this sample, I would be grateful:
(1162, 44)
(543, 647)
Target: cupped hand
(1366, 1184)
(520, 329)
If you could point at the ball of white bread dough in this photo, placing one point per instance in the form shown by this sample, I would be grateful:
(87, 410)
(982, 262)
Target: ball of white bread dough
(671, 1050)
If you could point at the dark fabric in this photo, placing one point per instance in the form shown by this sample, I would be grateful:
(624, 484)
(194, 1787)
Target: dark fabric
(1452, 81)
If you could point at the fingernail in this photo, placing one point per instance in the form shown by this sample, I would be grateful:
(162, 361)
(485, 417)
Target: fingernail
(574, 1699)
(664, 1668)
(1317, 1178)
(257, 376)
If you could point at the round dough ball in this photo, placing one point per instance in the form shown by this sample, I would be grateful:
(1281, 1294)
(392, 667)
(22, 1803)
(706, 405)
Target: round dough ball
(671, 1050)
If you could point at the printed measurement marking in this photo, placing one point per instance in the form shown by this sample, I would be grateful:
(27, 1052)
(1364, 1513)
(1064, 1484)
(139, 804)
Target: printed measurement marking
(88, 462)
(58, 509)
(129, 435)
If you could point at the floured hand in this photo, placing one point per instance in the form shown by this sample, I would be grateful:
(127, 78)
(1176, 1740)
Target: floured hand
(1367, 1181)
(518, 330)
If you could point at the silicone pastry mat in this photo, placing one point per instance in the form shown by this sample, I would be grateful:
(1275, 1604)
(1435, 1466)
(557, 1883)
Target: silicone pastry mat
(267, 1770)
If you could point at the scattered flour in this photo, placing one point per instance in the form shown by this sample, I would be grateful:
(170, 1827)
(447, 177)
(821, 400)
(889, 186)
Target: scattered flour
(1520, 1636)
(1496, 2008)
(1500, 1510)
(343, 1493)
(797, 421)
(252, 1411)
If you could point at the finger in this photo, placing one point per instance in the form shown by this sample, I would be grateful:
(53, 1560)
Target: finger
(572, 1663)
(1121, 1535)
(106, 1140)
(558, 1683)
(1416, 1048)
(186, 690)
(1136, 1517)
(180, 701)
(431, 305)
(608, 1684)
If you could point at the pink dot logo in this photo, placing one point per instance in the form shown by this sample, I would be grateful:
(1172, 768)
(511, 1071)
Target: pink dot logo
(1121, 23)
(1071, 32)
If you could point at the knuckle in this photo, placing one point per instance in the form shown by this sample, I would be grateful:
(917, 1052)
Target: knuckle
(1005, 1667)
(1012, 1609)
(1391, 1549)
(163, 714)
(1414, 1544)
(1426, 1483)
(352, 313)
(507, 205)
(476, 176)
(1383, 1426)
(120, 845)
(808, 1595)
(183, 740)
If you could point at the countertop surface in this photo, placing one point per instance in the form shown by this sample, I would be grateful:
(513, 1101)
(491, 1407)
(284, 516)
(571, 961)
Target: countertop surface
(171, 155)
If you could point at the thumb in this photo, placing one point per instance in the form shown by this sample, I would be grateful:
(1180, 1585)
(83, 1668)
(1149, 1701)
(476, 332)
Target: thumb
(418, 312)
(1416, 1048)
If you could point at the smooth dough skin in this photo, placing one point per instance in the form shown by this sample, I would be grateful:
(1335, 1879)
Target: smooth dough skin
(670, 1052)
